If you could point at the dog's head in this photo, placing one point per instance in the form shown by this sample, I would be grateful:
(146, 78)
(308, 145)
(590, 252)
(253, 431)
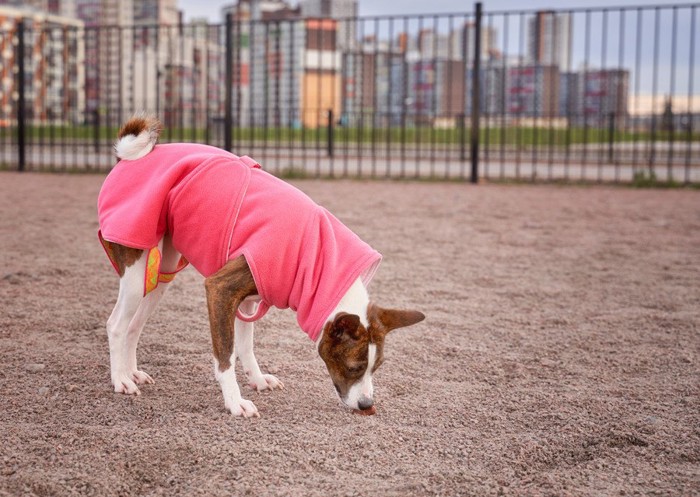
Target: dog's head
(353, 351)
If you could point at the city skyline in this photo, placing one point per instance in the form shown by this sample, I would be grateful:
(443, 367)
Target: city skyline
(419, 64)
(585, 51)
(211, 9)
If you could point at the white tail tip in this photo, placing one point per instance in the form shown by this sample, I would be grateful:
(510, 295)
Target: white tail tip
(137, 137)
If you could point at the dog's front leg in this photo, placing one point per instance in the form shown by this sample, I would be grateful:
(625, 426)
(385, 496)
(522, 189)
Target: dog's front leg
(226, 289)
(244, 350)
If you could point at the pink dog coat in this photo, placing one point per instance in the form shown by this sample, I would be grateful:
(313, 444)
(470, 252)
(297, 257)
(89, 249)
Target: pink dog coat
(217, 206)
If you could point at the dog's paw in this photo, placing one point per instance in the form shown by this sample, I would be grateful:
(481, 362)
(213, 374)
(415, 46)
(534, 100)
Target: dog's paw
(266, 382)
(141, 378)
(243, 408)
(124, 384)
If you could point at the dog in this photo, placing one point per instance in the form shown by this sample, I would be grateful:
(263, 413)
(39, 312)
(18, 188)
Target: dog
(258, 241)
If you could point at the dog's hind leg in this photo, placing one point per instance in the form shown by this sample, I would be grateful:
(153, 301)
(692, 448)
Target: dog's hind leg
(131, 265)
(149, 303)
(226, 289)
(244, 351)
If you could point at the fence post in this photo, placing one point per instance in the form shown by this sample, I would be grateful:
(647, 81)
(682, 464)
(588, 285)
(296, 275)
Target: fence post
(476, 101)
(21, 104)
(330, 133)
(228, 113)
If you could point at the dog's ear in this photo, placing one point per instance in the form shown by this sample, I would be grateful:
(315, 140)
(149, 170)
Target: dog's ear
(392, 319)
(344, 324)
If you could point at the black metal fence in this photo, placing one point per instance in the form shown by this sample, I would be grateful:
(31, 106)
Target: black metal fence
(604, 94)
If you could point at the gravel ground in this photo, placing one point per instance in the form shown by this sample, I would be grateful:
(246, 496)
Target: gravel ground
(560, 354)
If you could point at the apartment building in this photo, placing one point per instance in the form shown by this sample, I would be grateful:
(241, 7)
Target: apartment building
(344, 12)
(287, 69)
(549, 39)
(108, 48)
(594, 96)
(532, 91)
(54, 67)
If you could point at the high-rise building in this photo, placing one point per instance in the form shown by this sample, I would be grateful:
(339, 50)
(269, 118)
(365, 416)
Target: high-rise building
(260, 10)
(283, 64)
(343, 11)
(54, 67)
(63, 8)
(549, 39)
(532, 91)
(595, 96)
(152, 12)
(462, 42)
(108, 50)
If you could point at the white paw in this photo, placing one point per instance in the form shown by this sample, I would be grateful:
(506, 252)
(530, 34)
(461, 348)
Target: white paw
(243, 408)
(266, 382)
(141, 378)
(124, 384)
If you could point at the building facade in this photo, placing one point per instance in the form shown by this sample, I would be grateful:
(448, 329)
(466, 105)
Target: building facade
(549, 39)
(108, 48)
(54, 62)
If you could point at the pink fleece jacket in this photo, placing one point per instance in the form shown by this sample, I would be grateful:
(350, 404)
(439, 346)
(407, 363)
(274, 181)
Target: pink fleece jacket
(217, 206)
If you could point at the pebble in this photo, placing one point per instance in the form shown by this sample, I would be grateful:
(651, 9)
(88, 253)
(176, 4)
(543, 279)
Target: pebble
(34, 368)
(70, 388)
(43, 390)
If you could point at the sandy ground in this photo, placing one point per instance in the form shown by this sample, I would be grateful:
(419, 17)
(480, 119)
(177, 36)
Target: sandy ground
(560, 354)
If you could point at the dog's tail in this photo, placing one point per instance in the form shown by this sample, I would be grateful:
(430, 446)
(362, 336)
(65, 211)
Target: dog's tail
(137, 137)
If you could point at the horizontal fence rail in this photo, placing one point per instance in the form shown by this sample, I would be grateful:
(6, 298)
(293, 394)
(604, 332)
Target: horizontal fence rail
(605, 94)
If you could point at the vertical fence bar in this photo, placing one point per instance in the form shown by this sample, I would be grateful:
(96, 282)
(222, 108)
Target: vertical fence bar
(389, 94)
(348, 94)
(252, 83)
(605, 87)
(293, 117)
(520, 102)
(433, 99)
(637, 78)
(655, 82)
(570, 89)
(672, 127)
(361, 98)
(691, 116)
(420, 99)
(236, 63)
(487, 76)
(475, 95)
(228, 82)
(450, 113)
(21, 104)
(405, 70)
(623, 126)
(318, 111)
(586, 76)
(504, 76)
(553, 107)
(376, 113)
(265, 71)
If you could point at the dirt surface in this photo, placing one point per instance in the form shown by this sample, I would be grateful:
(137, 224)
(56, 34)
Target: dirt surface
(560, 354)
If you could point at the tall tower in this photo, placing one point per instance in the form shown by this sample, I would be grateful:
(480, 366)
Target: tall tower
(345, 11)
(549, 39)
(107, 57)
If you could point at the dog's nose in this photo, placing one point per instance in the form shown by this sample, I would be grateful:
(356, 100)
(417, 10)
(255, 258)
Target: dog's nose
(364, 403)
